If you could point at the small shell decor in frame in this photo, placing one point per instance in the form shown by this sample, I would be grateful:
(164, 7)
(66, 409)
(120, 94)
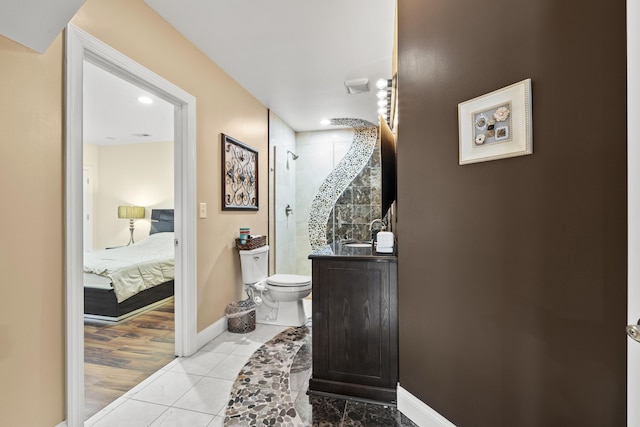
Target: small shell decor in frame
(496, 125)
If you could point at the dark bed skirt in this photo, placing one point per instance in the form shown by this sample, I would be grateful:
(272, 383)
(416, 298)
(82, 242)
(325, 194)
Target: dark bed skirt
(102, 303)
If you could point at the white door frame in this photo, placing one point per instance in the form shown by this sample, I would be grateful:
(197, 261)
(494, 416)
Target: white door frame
(633, 206)
(81, 46)
(87, 213)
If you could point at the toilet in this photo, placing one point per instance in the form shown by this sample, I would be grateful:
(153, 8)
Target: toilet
(278, 297)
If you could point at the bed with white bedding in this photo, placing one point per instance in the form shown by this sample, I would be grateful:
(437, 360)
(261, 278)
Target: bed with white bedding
(123, 281)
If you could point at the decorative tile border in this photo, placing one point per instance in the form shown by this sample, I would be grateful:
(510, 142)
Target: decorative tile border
(364, 142)
(261, 394)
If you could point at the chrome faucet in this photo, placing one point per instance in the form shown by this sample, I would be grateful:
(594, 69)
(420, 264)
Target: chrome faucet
(374, 233)
(374, 221)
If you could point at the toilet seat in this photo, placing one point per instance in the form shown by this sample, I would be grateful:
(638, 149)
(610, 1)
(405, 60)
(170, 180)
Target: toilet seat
(289, 282)
(279, 298)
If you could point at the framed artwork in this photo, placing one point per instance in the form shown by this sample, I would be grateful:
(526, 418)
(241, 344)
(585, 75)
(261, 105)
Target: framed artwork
(496, 125)
(239, 175)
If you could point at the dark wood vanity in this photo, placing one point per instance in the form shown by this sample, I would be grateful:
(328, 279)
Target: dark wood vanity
(355, 323)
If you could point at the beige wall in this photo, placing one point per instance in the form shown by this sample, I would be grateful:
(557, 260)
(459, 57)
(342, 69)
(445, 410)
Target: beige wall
(32, 179)
(222, 106)
(31, 272)
(129, 174)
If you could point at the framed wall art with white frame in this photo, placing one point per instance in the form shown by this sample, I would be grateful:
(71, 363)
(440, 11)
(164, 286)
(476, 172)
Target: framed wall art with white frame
(496, 125)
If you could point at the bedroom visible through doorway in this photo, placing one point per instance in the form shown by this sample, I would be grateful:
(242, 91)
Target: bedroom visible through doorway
(128, 235)
(81, 46)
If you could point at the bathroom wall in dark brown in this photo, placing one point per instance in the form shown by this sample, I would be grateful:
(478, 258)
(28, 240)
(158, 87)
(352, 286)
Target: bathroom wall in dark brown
(512, 273)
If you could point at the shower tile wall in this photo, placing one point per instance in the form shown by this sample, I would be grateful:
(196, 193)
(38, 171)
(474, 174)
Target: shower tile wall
(319, 152)
(359, 204)
(283, 138)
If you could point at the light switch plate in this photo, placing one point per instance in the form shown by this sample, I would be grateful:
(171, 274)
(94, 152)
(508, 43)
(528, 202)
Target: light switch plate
(203, 210)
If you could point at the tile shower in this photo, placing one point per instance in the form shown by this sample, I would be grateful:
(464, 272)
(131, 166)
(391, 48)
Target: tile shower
(333, 188)
(358, 205)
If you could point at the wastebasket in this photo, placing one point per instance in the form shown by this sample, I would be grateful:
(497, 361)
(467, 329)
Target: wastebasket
(241, 316)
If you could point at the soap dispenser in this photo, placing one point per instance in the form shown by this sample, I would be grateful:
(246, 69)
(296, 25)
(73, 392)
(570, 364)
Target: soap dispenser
(385, 242)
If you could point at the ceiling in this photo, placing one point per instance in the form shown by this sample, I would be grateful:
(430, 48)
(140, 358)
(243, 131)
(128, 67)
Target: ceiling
(36, 23)
(292, 55)
(113, 114)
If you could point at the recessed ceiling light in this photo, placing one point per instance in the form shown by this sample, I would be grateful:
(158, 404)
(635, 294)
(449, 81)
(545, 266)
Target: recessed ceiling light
(325, 122)
(145, 100)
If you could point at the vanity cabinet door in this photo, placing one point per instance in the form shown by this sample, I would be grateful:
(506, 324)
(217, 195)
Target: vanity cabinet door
(355, 346)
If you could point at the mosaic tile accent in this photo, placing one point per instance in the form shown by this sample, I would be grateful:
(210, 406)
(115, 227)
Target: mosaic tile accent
(358, 156)
(261, 394)
(359, 204)
(352, 123)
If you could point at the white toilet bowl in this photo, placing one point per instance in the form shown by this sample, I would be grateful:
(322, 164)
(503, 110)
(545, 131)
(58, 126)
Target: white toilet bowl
(288, 287)
(279, 296)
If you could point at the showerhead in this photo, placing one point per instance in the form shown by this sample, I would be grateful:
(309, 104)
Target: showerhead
(293, 155)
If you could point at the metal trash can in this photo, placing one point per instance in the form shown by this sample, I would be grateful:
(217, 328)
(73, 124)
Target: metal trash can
(241, 316)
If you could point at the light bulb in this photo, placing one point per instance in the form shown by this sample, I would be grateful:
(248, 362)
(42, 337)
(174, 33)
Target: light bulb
(381, 83)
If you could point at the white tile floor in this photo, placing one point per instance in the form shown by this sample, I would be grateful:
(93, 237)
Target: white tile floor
(190, 391)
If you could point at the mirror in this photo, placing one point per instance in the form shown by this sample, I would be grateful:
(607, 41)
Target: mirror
(388, 165)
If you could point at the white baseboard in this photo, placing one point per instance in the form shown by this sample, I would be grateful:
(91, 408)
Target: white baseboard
(210, 332)
(62, 424)
(419, 412)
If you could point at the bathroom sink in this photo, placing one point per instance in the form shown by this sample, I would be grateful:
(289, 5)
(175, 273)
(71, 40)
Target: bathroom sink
(358, 245)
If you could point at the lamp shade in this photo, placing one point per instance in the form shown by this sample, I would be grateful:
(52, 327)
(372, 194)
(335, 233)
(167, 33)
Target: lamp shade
(131, 212)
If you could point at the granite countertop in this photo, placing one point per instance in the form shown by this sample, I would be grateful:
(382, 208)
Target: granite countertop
(343, 250)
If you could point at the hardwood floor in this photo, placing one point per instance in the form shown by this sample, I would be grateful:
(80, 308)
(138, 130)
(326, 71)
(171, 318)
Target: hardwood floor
(118, 357)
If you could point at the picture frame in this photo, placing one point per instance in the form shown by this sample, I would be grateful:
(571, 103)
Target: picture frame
(496, 125)
(239, 175)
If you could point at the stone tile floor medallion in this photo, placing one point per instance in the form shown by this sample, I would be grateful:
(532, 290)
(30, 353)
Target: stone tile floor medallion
(271, 391)
(261, 394)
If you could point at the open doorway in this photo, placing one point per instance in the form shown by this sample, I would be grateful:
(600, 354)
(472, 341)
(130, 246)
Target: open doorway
(129, 268)
(81, 47)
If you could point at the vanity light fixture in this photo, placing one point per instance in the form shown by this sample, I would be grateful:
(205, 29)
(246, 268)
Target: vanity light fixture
(384, 97)
(382, 83)
(325, 122)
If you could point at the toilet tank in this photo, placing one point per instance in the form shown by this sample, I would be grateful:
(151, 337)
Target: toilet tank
(254, 264)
